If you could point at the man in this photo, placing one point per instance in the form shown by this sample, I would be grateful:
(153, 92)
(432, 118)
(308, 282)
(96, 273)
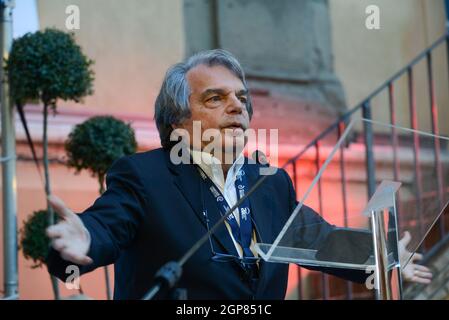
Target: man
(155, 208)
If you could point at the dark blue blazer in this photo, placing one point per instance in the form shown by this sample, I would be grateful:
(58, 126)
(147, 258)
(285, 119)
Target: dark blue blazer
(151, 213)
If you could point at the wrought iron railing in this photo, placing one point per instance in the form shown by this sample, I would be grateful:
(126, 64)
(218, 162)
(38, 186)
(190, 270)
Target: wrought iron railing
(365, 109)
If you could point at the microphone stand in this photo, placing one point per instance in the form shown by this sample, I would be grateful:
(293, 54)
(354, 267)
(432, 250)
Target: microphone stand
(170, 273)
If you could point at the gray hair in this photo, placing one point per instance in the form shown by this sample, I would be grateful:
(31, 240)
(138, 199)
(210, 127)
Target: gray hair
(172, 103)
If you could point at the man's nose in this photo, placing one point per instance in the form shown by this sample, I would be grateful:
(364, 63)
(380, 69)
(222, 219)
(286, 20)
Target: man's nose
(235, 105)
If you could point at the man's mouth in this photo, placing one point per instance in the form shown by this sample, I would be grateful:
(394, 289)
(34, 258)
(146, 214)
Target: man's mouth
(234, 130)
(234, 126)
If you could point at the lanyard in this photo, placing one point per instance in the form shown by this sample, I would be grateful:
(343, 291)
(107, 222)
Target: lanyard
(242, 234)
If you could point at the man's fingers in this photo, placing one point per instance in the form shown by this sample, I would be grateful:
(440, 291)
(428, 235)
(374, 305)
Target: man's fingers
(58, 244)
(417, 256)
(60, 207)
(426, 275)
(54, 231)
(423, 274)
(422, 268)
(76, 258)
(86, 261)
(406, 239)
(421, 280)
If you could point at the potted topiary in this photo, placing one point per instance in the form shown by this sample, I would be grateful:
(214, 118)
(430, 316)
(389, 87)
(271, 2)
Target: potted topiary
(94, 145)
(43, 67)
(35, 244)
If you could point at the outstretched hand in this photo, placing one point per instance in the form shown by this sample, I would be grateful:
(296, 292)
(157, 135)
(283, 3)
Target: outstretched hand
(69, 236)
(412, 272)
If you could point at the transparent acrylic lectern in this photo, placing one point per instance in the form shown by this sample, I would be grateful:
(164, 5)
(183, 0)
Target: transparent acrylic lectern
(408, 200)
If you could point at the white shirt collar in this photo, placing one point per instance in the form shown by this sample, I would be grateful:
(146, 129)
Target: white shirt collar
(212, 167)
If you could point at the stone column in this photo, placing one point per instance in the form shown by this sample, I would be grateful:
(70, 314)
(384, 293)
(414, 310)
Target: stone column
(286, 50)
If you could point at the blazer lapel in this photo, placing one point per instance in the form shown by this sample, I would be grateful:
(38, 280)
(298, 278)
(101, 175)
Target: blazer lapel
(188, 181)
(262, 213)
(261, 206)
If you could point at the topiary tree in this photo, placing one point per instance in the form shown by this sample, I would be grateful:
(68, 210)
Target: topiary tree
(94, 145)
(46, 66)
(34, 242)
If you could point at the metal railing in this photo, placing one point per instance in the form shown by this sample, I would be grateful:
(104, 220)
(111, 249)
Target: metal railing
(365, 108)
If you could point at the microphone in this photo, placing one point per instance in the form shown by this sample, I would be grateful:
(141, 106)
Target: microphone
(165, 279)
(260, 158)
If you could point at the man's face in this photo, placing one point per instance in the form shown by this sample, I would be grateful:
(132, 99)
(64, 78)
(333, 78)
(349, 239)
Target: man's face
(218, 100)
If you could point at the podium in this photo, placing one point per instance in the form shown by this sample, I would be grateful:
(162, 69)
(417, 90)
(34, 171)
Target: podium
(367, 239)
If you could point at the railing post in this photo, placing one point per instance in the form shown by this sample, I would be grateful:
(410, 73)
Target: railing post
(295, 185)
(416, 152)
(436, 141)
(324, 277)
(369, 153)
(295, 177)
(392, 107)
(341, 128)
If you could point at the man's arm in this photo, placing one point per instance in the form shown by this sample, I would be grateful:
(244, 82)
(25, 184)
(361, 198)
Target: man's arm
(96, 237)
(310, 231)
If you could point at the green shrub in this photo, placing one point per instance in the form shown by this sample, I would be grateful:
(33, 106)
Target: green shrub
(48, 65)
(34, 242)
(96, 143)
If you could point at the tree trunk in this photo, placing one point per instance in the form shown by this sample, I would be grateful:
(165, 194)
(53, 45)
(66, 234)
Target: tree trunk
(106, 271)
(51, 214)
(101, 182)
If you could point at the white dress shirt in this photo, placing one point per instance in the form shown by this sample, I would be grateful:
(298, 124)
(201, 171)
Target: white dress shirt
(212, 167)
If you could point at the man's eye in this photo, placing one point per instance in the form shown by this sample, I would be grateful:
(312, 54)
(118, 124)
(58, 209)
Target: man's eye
(214, 99)
(243, 99)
